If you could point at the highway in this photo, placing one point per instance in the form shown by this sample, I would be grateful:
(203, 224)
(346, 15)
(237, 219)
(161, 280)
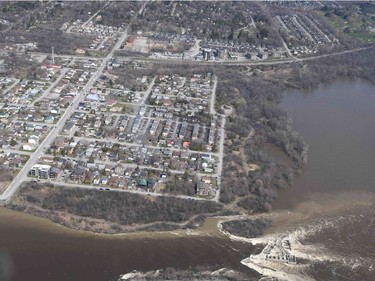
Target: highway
(222, 63)
(247, 63)
(34, 157)
(55, 129)
(22, 175)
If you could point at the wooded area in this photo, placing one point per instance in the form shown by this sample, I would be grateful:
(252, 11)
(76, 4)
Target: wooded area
(247, 228)
(218, 21)
(120, 207)
(256, 94)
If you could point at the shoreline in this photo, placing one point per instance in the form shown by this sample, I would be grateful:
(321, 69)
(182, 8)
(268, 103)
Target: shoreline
(288, 224)
(295, 225)
(124, 220)
(142, 251)
(204, 230)
(212, 225)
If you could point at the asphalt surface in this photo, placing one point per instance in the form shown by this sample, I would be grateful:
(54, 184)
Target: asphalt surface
(22, 175)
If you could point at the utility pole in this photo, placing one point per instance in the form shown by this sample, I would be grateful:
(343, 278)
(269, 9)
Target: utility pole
(53, 55)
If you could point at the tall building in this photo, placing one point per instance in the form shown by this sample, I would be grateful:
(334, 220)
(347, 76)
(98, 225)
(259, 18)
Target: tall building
(40, 171)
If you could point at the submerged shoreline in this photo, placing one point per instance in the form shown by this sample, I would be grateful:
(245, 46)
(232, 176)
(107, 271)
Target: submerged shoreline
(63, 253)
(301, 226)
(90, 211)
(204, 230)
(299, 221)
(296, 217)
(290, 224)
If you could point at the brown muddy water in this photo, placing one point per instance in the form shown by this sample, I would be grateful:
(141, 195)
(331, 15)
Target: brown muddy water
(329, 211)
(337, 122)
(36, 249)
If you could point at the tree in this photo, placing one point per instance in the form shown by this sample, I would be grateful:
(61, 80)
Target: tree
(137, 170)
(13, 142)
(185, 176)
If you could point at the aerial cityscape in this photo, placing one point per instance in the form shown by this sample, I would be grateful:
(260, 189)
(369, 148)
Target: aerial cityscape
(237, 135)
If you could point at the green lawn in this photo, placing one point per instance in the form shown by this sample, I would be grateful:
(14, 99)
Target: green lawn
(354, 23)
(364, 36)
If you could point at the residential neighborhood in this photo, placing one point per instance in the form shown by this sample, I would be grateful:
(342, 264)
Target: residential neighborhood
(174, 140)
(81, 120)
(115, 137)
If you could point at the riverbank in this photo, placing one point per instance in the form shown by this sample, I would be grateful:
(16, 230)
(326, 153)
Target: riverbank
(287, 224)
(201, 246)
(38, 247)
(291, 232)
(208, 227)
(112, 212)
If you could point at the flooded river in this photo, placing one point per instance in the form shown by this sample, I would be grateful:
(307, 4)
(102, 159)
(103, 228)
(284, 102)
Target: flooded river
(37, 249)
(337, 122)
(328, 213)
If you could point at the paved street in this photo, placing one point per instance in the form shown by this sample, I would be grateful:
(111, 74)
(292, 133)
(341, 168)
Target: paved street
(142, 145)
(22, 175)
(249, 63)
(106, 189)
(50, 88)
(221, 158)
(55, 129)
(213, 97)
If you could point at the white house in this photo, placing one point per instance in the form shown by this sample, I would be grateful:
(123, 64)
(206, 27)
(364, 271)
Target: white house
(28, 147)
(33, 139)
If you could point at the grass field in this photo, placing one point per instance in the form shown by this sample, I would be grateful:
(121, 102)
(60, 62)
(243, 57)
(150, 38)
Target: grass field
(357, 26)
